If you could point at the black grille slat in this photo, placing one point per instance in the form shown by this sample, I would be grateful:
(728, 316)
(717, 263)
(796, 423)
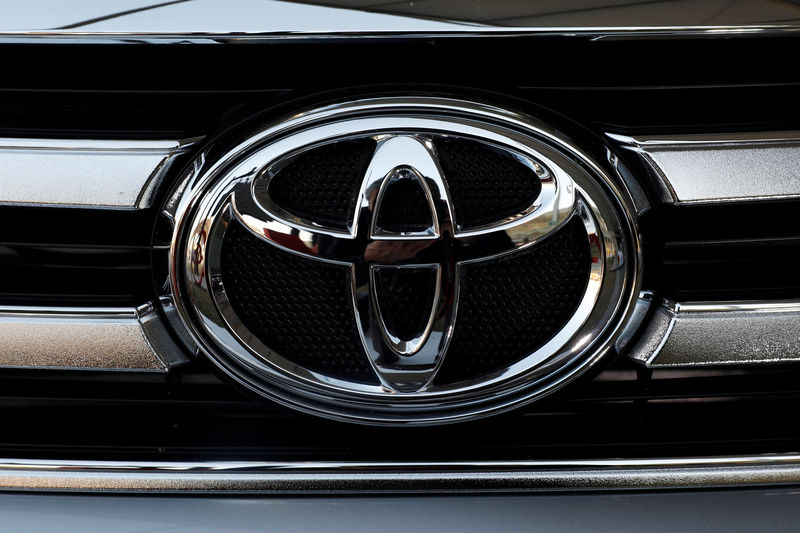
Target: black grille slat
(732, 271)
(730, 251)
(75, 257)
(191, 416)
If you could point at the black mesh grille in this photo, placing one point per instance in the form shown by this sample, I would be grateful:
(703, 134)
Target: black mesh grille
(405, 297)
(302, 308)
(486, 184)
(320, 185)
(299, 307)
(404, 207)
(513, 305)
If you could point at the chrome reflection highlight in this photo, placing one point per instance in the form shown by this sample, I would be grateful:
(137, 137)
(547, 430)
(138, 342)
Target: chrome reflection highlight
(236, 188)
(405, 365)
(270, 477)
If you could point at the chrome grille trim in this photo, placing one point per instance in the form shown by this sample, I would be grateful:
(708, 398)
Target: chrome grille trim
(97, 338)
(713, 168)
(385, 477)
(98, 174)
(720, 333)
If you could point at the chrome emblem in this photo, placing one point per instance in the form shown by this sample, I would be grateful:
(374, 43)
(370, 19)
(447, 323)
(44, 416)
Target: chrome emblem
(236, 188)
(409, 365)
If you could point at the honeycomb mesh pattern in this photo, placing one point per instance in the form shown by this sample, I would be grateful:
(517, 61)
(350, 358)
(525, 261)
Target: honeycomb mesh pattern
(298, 307)
(321, 184)
(513, 305)
(486, 184)
(404, 207)
(405, 297)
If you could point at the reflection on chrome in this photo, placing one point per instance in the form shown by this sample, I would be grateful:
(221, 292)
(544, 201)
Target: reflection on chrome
(236, 188)
(407, 364)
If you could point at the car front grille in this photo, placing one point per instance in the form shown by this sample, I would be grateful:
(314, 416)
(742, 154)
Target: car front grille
(79, 257)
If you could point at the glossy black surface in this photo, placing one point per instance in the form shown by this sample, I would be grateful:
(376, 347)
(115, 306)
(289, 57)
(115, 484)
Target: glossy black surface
(735, 251)
(623, 85)
(73, 257)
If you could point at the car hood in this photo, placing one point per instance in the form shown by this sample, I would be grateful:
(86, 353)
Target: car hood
(332, 16)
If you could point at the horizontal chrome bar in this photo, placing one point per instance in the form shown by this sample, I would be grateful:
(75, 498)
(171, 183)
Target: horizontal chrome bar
(120, 339)
(699, 169)
(720, 333)
(99, 174)
(386, 477)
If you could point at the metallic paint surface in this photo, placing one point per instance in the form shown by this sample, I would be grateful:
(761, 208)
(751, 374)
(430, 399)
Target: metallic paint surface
(123, 339)
(103, 174)
(699, 169)
(720, 333)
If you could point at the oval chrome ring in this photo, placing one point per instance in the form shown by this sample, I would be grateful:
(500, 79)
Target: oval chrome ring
(205, 206)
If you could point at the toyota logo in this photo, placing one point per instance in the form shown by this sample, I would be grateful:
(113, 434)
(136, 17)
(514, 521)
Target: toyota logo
(426, 244)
